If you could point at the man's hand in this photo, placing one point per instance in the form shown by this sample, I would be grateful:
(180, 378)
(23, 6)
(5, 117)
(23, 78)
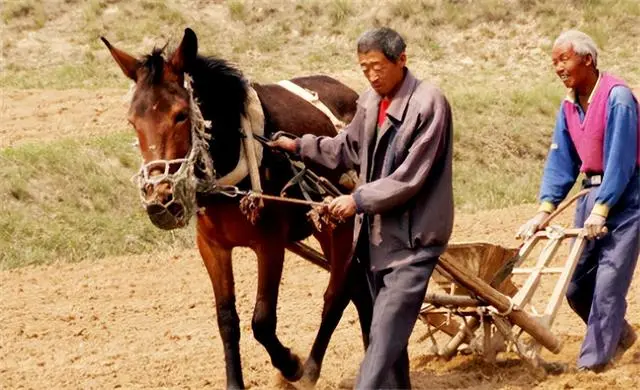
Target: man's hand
(343, 206)
(284, 143)
(531, 226)
(594, 226)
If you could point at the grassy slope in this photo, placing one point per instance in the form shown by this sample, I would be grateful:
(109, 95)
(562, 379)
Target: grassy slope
(72, 200)
(489, 56)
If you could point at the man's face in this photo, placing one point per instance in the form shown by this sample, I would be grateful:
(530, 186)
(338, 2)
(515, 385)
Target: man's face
(571, 67)
(383, 75)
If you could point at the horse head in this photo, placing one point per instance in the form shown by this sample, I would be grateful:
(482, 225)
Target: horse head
(161, 115)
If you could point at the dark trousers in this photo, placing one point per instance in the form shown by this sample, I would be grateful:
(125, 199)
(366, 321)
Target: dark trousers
(598, 289)
(397, 295)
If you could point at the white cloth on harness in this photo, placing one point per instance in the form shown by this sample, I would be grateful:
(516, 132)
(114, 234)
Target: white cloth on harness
(248, 163)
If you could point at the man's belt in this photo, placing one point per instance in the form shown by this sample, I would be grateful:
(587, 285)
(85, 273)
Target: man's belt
(592, 180)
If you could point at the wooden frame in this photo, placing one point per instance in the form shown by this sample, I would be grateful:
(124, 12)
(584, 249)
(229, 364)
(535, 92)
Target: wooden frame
(499, 313)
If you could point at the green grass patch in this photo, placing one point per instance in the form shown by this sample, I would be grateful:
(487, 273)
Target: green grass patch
(237, 10)
(290, 32)
(500, 141)
(340, 11)
(132, 22)
(73, 200)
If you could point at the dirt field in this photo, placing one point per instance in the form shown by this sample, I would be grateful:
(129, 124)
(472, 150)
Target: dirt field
(148, 321)
(45, 115)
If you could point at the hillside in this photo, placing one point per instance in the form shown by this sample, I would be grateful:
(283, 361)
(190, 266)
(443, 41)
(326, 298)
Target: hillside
(62, 91)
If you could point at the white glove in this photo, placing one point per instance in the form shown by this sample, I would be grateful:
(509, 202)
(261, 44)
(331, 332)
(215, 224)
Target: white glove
(594, 226)
(531, 226)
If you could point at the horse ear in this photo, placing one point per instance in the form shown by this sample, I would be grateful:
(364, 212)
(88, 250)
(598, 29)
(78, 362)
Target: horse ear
(127, 62)
(186, 52)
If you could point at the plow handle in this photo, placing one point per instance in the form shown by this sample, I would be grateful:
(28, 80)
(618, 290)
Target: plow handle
(563, 207)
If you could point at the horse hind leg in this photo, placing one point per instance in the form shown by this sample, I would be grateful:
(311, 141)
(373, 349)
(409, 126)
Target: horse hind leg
(270, 262)
(217, 260)
(360, 294)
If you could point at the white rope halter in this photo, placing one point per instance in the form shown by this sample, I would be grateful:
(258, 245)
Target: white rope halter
(184, 182)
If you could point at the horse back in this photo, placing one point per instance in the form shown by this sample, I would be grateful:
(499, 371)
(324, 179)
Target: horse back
(339, 98)
(286, 111)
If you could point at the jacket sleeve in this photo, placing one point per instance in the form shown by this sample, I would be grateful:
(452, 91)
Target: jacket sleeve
(410, 176)
(343, 150)
(620, 148)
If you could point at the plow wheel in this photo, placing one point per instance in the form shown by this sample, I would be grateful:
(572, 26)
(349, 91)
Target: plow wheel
(455, 311)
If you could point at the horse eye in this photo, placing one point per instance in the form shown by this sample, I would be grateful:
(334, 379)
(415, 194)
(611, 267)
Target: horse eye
(181, 116)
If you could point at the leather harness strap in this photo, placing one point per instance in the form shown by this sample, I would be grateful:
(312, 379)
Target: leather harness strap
(312, 97)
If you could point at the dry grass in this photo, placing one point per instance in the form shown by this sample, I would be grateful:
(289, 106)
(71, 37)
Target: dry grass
(29, 13)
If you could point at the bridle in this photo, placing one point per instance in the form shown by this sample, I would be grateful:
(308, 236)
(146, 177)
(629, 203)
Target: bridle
(184, 182)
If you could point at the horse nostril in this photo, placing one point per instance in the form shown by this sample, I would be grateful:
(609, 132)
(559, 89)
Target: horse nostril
(161, 193)
(155, 209)
(148, 190)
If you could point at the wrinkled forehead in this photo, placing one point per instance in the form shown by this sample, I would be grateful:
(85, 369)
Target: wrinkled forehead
(161, 98)
(372, 56)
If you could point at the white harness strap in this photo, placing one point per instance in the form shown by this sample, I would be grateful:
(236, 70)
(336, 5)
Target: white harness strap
(312, 97)
(350, 179)
(253, 123)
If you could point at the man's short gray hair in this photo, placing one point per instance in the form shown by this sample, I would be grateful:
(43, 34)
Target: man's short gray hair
(581, 43)
(382, 39)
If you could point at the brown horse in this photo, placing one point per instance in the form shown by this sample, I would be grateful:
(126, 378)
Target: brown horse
(161, 114)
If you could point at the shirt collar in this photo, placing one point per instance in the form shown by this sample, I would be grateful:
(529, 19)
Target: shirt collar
(571, 93)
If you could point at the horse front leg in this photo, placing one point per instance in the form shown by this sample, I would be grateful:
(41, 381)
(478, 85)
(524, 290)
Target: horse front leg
(270, 255)
(217, 260)
(336, 246)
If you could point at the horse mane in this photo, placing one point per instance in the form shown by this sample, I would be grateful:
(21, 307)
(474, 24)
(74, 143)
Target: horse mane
(220, 87)
(221, 91)
(154, 65)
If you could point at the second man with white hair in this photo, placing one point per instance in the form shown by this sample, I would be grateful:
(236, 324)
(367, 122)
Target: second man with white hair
(596, 133)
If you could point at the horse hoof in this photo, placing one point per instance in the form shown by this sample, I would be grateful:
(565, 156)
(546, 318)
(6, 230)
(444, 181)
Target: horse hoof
(307, 382)
(295, 373)
(309, 377)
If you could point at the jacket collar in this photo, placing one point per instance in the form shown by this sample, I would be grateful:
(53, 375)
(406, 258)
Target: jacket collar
(398, 105)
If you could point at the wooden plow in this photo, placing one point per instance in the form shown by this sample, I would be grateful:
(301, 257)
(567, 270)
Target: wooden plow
(481, 308)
